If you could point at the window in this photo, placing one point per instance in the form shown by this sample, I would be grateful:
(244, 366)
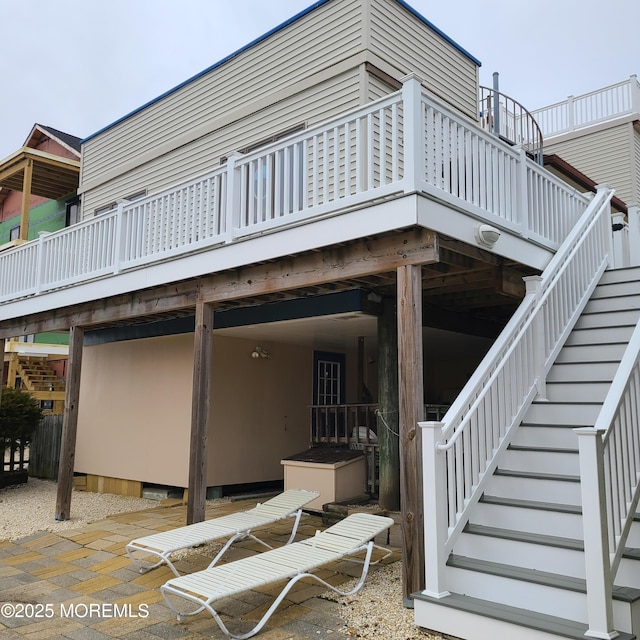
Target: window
(107, 208)
(14, 233)
(328, 378)
(329, 392)
(72, 214)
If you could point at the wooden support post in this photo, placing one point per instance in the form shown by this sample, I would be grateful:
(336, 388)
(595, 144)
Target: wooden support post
(69, 424)
(202, 361)
(389, 490)
(12, 370)
(27, 177)
(411, 397)
(360, 370)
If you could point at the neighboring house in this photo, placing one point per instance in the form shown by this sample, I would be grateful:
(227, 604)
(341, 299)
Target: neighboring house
(38, 185)
(317, 240)
(40, 368)
(599, 134)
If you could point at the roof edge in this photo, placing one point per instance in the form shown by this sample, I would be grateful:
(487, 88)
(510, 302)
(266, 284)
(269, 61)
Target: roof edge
(441, 33)
(567, 169)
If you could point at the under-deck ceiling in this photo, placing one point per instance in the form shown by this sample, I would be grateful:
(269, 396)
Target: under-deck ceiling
(52, 176)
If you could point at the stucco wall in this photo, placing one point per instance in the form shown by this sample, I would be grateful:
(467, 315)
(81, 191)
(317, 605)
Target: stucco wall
(135, 410)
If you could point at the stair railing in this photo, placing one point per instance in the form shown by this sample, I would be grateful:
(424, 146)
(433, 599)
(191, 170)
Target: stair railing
(461, 452)
(610, 485)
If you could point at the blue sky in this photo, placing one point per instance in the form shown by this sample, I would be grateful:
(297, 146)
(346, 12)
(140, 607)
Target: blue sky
(78, 65)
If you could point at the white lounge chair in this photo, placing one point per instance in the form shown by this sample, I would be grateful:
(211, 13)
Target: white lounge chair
(234, 526)
(294, 562)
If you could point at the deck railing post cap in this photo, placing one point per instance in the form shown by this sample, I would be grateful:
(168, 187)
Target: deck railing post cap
(412, 76)
(430, 424)
(588, 431)
(532, 284)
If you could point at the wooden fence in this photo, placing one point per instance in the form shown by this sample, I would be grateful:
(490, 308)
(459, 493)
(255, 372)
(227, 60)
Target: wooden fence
(44, 450)
(14, 462)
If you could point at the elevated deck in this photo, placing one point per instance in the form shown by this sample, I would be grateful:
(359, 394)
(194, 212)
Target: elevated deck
(402, 162)
(577, 113)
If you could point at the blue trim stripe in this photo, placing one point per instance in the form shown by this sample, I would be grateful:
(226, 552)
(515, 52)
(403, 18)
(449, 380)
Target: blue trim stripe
(291, 20)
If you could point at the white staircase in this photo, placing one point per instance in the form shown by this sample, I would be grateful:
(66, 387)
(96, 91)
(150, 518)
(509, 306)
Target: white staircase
(517, 569)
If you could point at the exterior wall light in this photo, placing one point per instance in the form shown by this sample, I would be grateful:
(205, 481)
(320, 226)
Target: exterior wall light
(486, 235)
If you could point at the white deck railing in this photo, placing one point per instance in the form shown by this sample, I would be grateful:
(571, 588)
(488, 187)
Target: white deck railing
(461, 451)
(610, 483)
(577, 112)
(407, 142)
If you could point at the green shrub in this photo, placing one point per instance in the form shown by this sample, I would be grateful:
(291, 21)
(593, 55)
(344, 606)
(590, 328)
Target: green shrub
(20, 414)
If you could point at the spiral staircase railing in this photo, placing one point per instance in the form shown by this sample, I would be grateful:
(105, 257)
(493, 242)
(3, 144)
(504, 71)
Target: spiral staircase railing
(510, 121)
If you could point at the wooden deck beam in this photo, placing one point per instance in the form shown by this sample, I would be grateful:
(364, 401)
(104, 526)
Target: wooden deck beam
(358, 259)
(361, 258)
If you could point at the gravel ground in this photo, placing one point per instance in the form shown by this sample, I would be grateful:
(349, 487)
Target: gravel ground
(375, 613)
(27, 508)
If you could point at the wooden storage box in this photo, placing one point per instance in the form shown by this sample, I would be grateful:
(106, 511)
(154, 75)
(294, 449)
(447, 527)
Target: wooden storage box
(338, 474)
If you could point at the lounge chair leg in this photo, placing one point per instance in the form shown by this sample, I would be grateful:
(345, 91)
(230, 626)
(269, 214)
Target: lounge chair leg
(222, 551)
(143, 568)
(294, 529)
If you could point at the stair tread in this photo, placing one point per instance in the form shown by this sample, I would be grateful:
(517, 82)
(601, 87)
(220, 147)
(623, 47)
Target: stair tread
(551, 403)
(531, 504)
(569, 583)
(555, 425)
(525, 536)
(537, 538)
(524, 447)
(536, 475)
(515, 615)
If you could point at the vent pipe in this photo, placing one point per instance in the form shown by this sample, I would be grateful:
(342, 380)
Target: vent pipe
(496, 103)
